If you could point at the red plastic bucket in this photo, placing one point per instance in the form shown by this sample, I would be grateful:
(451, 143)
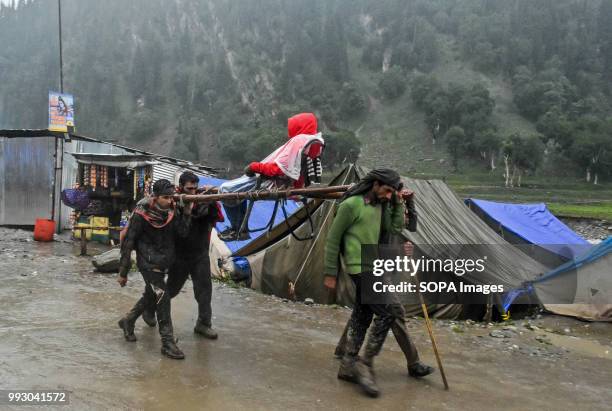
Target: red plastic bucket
(44, 229)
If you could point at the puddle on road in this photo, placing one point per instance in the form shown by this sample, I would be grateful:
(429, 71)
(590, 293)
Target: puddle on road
(581, 346)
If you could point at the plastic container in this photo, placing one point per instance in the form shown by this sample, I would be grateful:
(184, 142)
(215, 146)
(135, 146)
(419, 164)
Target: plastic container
(44, 229)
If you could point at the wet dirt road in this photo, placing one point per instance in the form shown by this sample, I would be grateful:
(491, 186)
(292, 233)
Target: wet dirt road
(58, 331)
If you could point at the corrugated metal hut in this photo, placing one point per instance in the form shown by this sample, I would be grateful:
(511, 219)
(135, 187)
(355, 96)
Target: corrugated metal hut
(32, 161)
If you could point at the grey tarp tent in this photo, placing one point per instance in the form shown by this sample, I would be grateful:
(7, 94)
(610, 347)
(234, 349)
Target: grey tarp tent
(444, 221)
(581, 288)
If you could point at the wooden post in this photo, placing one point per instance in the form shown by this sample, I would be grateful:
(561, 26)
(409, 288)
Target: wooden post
(83, 241)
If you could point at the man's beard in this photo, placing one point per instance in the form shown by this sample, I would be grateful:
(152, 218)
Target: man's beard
(380, 200)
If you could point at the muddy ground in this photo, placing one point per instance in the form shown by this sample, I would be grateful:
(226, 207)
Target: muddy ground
(58, 331)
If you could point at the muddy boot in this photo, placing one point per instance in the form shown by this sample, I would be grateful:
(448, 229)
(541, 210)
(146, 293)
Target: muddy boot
(419, 370)
(148, 317)
(128, 329)
(128, 322)
(347, 371)
(341, 346)
(369, 362)
(205, 331)
(169, 347)
(166, 331)
(171, 350)
(366, 379)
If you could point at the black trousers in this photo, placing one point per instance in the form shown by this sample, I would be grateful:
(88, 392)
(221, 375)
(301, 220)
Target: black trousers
(385, 316)
(156, 297)
(199, 268)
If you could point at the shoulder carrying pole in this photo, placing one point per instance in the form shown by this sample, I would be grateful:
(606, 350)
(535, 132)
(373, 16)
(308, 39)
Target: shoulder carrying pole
(331, 192)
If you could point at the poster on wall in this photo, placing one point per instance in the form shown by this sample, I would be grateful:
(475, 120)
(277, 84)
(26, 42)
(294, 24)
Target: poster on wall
(61, 112)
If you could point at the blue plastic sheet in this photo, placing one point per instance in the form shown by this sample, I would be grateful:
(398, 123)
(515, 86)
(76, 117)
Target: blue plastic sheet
(535, 224)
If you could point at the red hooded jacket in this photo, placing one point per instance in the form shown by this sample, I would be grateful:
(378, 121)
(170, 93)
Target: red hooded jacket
(303, 123)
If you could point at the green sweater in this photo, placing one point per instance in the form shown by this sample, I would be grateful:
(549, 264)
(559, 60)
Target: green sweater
(358, 223)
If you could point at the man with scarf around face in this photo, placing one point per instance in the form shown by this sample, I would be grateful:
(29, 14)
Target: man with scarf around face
(152, 231)
(369, 212)
(192, 257)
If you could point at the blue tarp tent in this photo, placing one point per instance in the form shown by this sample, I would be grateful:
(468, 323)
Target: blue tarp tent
(260, 216)
(532, 223)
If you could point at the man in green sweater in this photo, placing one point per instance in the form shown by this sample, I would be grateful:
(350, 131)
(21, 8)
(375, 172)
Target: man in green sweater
(368, 213)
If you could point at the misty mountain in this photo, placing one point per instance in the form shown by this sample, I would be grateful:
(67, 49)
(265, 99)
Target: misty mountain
(420, 85)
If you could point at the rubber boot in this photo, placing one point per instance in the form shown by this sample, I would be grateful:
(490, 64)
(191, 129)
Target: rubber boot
(351, 341)
(419, 370)
(128, 322)
(171, 350)
(366, 379)
(166, 331)
(347, 370)
(148, 317)
(341, 346)
(169, 347)
(205, 331)
(128, 329)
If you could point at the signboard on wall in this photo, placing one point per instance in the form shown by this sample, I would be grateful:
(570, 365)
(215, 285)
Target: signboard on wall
(61, 112)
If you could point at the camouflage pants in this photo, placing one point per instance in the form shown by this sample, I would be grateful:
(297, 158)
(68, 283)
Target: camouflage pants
(385, 316)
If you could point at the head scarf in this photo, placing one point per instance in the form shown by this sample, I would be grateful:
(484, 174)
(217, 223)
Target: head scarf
(303, 123)
(383, 175)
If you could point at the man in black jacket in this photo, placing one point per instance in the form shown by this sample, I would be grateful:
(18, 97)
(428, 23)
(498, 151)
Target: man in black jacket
(152, 232)
(192, 257)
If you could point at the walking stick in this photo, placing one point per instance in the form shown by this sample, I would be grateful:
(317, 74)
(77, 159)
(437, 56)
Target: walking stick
(431, 336)
(429, 327)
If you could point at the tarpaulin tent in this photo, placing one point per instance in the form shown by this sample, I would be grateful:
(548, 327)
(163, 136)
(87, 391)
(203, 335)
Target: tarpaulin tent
(275, 257)
(278, 260)
(580, 288)
(553, 243)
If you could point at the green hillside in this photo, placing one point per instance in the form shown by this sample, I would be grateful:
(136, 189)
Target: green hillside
(448, 89)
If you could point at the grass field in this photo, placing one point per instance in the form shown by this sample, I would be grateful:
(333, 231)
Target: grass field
(601, 211)
(564, 198)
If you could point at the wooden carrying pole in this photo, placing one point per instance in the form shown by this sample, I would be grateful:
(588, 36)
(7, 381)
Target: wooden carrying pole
(331, 192)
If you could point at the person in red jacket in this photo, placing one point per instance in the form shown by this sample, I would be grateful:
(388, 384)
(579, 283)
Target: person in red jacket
(289, 165)
(303, 124)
